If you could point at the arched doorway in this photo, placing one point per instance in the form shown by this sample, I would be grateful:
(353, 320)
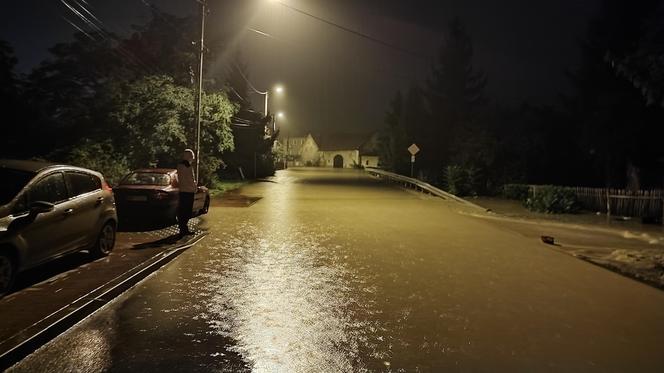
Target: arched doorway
(338, 161)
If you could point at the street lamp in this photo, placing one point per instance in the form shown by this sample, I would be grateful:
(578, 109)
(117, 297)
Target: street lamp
(278, 89)
(280, 115)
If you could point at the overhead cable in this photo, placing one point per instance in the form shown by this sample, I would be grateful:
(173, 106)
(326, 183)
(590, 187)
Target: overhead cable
(355, 32)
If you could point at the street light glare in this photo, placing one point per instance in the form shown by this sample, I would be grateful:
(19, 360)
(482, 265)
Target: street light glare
(279, 89)
(280, 114)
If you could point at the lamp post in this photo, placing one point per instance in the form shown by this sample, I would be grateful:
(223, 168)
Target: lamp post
(280, 115)
(200, 87)
(278, 89)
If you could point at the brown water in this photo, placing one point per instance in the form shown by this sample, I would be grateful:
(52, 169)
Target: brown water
(332, 271)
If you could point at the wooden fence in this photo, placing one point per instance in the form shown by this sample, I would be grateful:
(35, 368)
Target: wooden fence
(642, 203)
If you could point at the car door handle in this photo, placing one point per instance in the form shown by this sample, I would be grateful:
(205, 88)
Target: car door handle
(100, 200)
(68, 212)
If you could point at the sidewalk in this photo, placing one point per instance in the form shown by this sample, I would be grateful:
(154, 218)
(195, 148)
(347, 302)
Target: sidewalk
(50, 298)
(626, 247)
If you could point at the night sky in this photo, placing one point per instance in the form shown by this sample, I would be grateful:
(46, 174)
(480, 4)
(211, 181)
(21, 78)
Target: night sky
(336, 81)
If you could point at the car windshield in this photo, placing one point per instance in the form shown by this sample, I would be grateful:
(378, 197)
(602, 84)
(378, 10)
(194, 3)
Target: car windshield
(147, 178)
(12, 183)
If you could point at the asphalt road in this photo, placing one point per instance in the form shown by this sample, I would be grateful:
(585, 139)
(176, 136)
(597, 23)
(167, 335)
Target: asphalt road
(332, 271)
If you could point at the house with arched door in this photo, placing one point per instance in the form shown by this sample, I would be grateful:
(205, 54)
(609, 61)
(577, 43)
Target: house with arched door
(340, 150)
(336, 150)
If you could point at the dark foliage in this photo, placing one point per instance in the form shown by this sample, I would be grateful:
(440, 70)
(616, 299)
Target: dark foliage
(10, 103)
(553, 200)
(607, 132)
(112, 103)
(517, 192)
(253, 148)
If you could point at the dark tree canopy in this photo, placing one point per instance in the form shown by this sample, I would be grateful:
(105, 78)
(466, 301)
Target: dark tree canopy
(442, 116)
(10, 101)
(606, 132)
(615, 126)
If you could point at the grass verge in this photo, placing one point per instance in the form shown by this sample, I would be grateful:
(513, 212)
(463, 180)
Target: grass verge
(220, 187)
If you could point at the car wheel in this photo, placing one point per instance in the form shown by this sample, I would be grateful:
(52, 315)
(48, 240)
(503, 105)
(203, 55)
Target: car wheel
(7, 273)
(105, 241)
(206, 206)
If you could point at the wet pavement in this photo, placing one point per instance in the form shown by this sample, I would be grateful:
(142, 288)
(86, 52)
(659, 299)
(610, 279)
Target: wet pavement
(47, 299)
(332, 271)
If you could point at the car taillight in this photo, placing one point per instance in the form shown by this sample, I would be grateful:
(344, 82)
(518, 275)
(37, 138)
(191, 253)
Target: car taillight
(105, 186)
(160, 195)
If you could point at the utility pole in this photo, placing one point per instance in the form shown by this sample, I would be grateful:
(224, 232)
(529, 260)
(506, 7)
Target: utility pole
(200, 87)
(267, 96)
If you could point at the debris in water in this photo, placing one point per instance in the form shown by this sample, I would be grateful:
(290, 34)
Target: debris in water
(548, 240)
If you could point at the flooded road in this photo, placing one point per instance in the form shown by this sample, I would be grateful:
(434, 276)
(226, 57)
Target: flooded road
(332, 271)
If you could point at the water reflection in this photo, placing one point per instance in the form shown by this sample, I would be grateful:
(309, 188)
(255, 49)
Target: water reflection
(89, 350)
(282, 299)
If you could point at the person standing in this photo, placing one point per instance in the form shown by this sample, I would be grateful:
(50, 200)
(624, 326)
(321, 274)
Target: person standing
(188, 187)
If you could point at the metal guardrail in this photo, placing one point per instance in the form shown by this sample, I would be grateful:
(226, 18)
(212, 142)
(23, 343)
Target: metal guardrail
(419, 185)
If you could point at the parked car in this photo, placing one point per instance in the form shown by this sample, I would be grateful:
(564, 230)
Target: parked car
(150, 196)
(48, 211)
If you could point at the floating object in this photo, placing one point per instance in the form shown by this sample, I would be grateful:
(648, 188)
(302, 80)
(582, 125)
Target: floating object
(548, 240)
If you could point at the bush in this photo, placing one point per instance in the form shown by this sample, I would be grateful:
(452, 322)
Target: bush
(517, 192)
(102, 157)
(454, 180)
(463, 180)
(553, 199)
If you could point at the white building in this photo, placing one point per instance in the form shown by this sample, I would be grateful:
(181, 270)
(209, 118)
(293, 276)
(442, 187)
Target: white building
(338, 151)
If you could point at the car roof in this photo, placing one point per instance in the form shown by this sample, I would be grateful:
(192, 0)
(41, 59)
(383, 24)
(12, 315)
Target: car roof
(39, 166)
(156, 170)
(28, 166)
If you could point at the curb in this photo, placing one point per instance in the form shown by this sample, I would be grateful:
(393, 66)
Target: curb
(22, 344)
(643, 237)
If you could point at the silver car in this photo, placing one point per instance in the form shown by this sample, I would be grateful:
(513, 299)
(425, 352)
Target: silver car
(47, 211)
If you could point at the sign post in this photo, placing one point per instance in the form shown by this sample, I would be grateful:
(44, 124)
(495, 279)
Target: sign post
(413, 149)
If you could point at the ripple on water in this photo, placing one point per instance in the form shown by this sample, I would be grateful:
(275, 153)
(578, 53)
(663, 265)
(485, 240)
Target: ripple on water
(286, 303)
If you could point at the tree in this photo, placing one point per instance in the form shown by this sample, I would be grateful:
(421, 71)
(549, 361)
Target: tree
(254, 148)
(131, 98)
(100, 155)
(164, 46)
(615, 128)
(9, 101)
(8, 79)
(69, 92)
(644, 67)
(455, 96)
(394, 138)
(254, 152)
(152, 119)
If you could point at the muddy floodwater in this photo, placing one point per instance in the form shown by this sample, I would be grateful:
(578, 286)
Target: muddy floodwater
(333, 271)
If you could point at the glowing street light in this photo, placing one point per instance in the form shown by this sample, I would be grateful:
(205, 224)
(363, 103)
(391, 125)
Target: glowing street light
(280, 115)
(278, 89)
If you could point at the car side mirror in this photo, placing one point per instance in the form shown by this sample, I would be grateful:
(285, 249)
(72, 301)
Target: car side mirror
(40, 207)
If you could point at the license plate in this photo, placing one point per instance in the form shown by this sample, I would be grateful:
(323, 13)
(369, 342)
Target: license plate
(137, 198)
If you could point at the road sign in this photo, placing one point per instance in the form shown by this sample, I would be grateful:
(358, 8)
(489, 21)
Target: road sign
(413, 149)
(412, 159)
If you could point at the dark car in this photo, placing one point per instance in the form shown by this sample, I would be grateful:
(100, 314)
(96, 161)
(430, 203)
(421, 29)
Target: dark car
(49, 210)
(150, 197)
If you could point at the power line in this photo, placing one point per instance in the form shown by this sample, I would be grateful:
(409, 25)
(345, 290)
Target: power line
(239, 69)
(356, 33)
(99, 29)
(353, 67)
